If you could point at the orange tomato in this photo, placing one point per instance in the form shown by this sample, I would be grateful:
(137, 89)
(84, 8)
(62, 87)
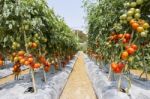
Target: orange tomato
(37, 65)
(21, 53)
(34, 45)
(20, 57)
(120, 36)
(124, 55)
(22, 61)
(42, 59)
(14, 54)
(135, 25)
(26, 63)
(132, 21)
(1, 62)
(113, 65)
(30, 60)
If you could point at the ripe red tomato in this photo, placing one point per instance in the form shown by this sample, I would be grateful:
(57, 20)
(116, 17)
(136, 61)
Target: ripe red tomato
(46, 69)
(121, 65)
(124, 41)
(134, 46)
(126, 47)
(117, 70)
(130, 51)
(127, 36)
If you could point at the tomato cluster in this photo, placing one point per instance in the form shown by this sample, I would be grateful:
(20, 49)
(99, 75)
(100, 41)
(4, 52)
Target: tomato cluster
(140, 26)
(22, 58)
(121, 29)
(117, 67)
(125, 38)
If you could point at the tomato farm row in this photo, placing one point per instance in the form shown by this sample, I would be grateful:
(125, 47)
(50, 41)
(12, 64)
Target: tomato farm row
(32, 35)
(119, 35)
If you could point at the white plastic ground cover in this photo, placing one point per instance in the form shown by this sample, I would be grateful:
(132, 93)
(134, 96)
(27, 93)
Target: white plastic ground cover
(52, 89)
(106, 89)
(6, 70)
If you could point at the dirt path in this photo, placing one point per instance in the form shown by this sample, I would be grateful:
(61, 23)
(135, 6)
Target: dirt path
(11, 77)
(78, 85)
(138, 73)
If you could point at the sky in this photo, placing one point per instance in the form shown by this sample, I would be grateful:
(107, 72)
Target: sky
(71, 11)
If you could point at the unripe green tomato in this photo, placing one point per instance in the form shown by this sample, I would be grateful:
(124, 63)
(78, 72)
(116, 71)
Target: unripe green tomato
(132, 9)
(137, 10)
(26, 27)
(130, 13)
(37, 41)
(121, 21)
(15, 43)
(131, 59)
(29, 44)
(125, 21)
(129, 18)
(109, 45)
(124, 16)
(127, 4)
(137, 15)
(139, 2)
(143, 34)
(36, 35)
(45, 40)
(13, 47)
(121, 18)
(146, 25)
(133, 4)
(18, 45)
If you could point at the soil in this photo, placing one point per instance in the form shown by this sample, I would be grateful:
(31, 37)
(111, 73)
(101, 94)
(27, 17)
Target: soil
(78, 85)
(138, 73)
(11, 77)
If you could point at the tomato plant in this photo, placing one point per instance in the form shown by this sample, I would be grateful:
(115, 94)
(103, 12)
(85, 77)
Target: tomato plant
(121, 29)
(32, 35)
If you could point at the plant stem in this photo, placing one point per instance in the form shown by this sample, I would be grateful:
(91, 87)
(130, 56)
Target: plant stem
(31, 69)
